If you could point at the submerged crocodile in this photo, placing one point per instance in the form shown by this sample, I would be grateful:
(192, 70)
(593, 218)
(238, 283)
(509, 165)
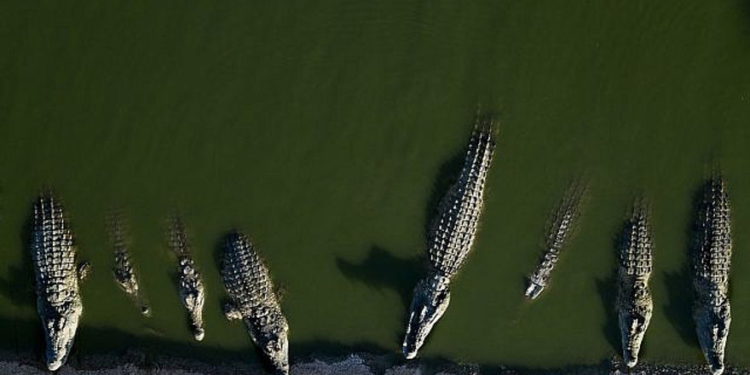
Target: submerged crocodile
(559, 232)
(451, 237)
(711, 263)
(634, 302)
(57, 277)
(252, 299)
(124, 272)
(192, 291)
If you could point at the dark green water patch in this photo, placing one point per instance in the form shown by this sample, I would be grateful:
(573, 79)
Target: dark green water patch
(321, 130)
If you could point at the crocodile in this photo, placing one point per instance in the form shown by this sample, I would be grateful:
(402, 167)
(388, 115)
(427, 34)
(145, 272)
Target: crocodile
(634, 302)
(451, 236)
(123, 270)
(711, 264)
(57, 278)
(192, 290)
(559, 232)
(253, 299)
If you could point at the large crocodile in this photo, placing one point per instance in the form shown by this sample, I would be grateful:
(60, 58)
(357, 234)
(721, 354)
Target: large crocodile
(711, 263)
(57, 277)
(634, 302)
(451, 236)
(192, 291)
(253, 299)
(124, 272)
(560, 228)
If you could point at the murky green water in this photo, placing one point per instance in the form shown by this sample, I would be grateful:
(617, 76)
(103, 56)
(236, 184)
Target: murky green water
(321, 129)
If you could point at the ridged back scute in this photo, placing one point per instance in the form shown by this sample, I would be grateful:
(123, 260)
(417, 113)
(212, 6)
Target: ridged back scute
(178, 238)
(714, 244)
(636, 252)
(561, 224)
(453, 231)
(245, 275)
(117, 229)
(52, 248)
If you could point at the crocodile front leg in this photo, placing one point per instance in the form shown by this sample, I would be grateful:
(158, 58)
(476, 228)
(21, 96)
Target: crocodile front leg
(231, 312)
(83, 271)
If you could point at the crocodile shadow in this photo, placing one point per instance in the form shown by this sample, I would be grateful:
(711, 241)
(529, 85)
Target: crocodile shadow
(18, 286)
(382, 270)
(679, 309)
(447, 176)
(607, 290)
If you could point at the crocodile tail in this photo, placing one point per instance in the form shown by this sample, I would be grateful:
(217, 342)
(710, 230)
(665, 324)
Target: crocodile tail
(561, 225)
(714, 232)
(50, 216)
(117, 228)
(484, 138)
(49, 206)
(178, 239)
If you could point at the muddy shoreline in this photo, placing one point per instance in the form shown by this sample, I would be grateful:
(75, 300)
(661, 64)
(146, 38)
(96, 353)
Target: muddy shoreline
(138, 363)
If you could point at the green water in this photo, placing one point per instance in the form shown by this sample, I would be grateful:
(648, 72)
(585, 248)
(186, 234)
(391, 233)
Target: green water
(321, 129)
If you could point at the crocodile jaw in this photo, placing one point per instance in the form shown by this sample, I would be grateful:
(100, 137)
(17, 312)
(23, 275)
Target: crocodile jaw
(275, 345)
(633, 327)
(195, 303)
(431, 299)
(713, 329)
(60, 330)
(279, 355)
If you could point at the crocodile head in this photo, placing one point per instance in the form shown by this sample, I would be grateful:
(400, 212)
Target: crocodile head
(713, 328)
(635, 309)
(60, 324)
(274, 343)
(633, 325)
(534, 290)
(431, 299)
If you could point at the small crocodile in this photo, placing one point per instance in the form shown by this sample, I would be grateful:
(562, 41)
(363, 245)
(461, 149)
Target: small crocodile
(451, 236)
(560, 228)
(634, 301)
(253, 299)
(711, 264)
(192, 291)
(124, 272)
(53, 254)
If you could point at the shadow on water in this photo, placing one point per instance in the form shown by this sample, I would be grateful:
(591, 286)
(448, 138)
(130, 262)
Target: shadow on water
(607, 290)
(111, 341)
(157, 353)
(447, 175)
(679, 309)
(381, 270)
(152, 353)
(18, 286)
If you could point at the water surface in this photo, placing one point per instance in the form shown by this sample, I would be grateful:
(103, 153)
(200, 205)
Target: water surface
(325, 129)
